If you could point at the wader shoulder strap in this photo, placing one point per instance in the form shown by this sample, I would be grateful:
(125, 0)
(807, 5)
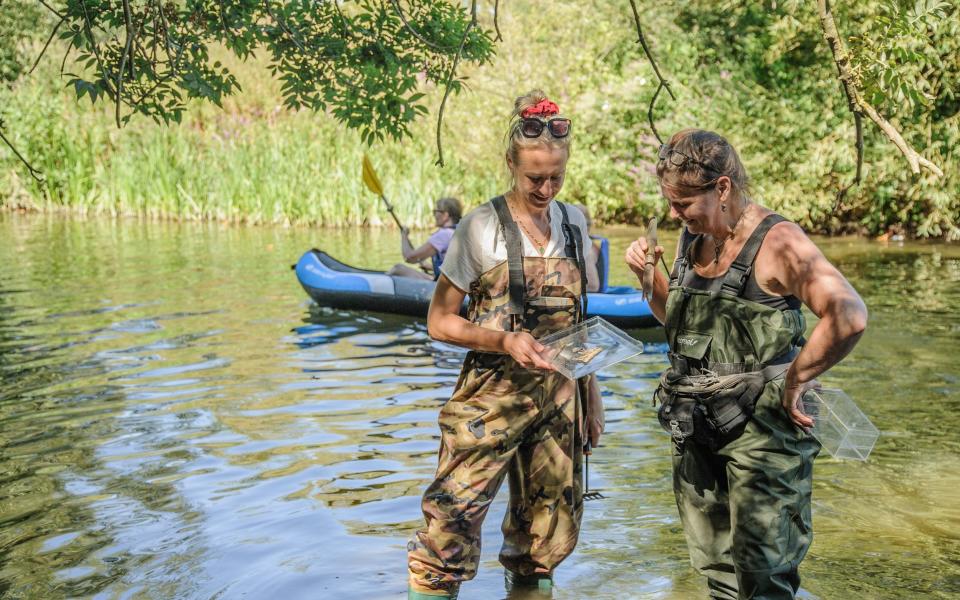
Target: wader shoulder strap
(574, 249)
(681, 263)
(739, 272)
(514, 243)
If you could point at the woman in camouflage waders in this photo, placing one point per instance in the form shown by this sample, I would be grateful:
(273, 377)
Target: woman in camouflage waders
(520, 259)
(742, 461)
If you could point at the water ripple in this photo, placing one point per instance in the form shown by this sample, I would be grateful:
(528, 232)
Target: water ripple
(178, 422)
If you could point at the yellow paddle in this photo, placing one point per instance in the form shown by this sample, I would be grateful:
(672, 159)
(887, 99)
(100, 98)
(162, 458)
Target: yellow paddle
(372, 182)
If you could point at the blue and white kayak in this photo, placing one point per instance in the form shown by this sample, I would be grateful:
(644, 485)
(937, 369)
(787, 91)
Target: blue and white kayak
(337, 285)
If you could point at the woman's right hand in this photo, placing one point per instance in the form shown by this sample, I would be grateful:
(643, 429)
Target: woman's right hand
(525, 349)
(636, 256)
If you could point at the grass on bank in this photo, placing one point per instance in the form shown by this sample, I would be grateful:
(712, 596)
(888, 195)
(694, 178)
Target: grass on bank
(255, 162)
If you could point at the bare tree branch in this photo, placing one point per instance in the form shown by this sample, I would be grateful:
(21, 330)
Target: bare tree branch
(33, 172)
(857, 103)
(496, 21)
(123, 59)
(842, 192)
(52, 9)
(664, 84)
(45, 46)
(87, 28)
(653, 101)
(453, 69)
(66, 54)
(131, 33)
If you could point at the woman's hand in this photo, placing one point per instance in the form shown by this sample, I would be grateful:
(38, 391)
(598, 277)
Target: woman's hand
(792, 401)
(526, 351)
(637, 255)
(595, 421)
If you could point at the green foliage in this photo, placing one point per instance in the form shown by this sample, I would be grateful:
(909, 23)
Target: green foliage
(359, 62)
(895, 55)
(761, 74)
(18, 26)
(758, 72)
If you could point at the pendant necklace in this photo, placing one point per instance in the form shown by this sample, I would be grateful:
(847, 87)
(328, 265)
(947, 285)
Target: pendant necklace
(718, 246)
(541, 246)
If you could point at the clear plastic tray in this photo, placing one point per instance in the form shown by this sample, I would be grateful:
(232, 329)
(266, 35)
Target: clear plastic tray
(842, 428)
(587, 347)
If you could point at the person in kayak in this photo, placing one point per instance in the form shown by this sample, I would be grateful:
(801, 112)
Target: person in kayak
(447, 214)
(520, 258)
(739, 364)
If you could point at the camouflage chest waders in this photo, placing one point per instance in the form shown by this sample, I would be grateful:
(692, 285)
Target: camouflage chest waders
(741, 470)
(507, 421)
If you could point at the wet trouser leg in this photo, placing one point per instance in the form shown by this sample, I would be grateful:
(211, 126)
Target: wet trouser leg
(746, 508)
(542, 522)
(498, 419)
(447, 551)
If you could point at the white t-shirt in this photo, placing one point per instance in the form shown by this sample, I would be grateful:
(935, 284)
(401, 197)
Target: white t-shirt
(478, 245)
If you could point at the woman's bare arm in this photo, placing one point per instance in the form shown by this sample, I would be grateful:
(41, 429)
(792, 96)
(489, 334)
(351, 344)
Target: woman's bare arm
(593, 275)
(789, 263)
(411, 254)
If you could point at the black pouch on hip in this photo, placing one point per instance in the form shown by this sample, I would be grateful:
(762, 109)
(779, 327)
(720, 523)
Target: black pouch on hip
(729, 409)
(676, 414)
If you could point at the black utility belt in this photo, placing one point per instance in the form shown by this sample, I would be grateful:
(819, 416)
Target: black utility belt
(710, 409)
(682, 365)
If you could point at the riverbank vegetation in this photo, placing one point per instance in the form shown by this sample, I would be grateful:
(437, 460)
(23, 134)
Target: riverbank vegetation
(760, 73)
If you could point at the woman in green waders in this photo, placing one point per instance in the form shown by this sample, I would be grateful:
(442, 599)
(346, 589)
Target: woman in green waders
(742, 460)
(520, 259)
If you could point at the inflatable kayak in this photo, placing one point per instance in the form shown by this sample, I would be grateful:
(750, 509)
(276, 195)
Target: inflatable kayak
(337, 285)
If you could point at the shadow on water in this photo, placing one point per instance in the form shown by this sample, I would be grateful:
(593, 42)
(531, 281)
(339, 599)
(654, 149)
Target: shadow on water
(179, 421)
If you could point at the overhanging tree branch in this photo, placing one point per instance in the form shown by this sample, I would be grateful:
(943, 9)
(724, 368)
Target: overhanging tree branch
(664, 84)
(409, 27)
(33, 172)
(46, 45)
(856, 102)
(52, 9)
(453, 69)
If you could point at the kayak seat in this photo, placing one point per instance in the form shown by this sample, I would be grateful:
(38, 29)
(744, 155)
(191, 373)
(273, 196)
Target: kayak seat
(603, 261)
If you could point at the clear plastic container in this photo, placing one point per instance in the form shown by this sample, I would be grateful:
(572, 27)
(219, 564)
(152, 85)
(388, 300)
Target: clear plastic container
(587, 347)
(839, 425)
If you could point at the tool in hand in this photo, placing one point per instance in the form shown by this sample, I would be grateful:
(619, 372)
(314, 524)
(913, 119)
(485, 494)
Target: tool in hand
(649, 267)
(587, 494)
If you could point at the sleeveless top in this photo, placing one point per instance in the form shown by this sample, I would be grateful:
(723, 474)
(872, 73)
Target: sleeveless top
(751, 289)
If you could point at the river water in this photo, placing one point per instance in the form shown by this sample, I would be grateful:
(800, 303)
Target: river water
(179, 421)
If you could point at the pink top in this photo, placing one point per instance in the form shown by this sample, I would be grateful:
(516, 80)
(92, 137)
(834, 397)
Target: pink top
(440, 240)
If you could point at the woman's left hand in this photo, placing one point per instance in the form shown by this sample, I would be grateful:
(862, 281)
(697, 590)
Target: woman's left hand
(595, 421)
(792, 405)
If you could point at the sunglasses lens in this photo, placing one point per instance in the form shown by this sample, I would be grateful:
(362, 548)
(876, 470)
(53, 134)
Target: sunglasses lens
(559, 127)
(531, 128)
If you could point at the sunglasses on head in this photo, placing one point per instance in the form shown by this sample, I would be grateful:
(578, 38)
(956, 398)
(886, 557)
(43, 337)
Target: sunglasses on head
(678, 159)
(532, 127)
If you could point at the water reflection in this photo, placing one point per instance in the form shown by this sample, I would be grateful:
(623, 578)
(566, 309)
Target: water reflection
(179, 421)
